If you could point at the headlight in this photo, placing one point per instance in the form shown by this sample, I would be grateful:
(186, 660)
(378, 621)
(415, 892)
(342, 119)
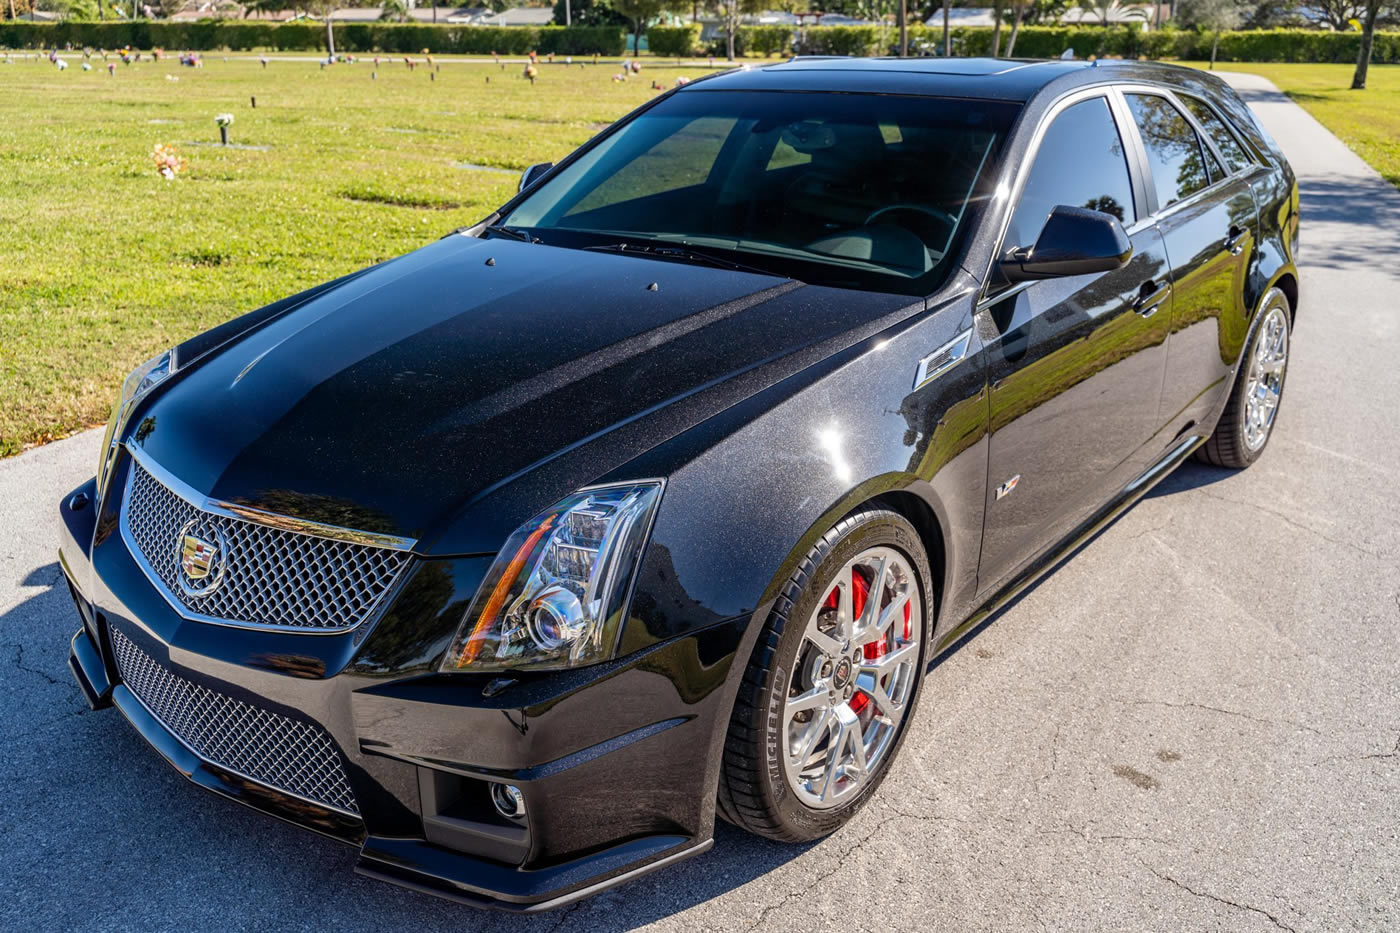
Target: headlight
(555, 595)
(142, 379)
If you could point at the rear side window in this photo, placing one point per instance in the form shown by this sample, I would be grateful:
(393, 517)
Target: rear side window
(1080, 163)
(1235, 156)
(1174, 152)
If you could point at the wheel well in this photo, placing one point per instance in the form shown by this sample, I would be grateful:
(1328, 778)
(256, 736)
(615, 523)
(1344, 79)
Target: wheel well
(921, 516)
(1289, 286)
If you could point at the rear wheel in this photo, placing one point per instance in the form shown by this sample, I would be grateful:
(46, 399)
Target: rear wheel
(1248, 419)
(833, 682)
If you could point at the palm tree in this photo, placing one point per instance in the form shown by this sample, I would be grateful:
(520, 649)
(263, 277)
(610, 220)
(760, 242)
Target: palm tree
(1107, 8)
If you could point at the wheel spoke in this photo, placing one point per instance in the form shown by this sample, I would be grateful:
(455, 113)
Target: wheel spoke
(843, 611)
(856, 736)
(848, 731)
(824, 643)
(894, 610)
(815, 698)
(892, 660)
(819, 727)
(836, 750)
(871, 609)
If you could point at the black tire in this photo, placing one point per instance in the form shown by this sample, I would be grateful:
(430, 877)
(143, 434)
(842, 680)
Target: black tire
(1227, 446)
(753, 789)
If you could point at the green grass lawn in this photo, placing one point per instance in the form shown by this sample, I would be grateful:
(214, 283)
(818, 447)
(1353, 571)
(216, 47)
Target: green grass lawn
(1368, 121)
(103, 263)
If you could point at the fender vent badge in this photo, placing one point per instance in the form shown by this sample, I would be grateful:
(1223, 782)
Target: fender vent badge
(1005, 488)
(943, 359)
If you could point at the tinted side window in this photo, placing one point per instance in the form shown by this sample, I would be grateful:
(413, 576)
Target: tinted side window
(1235, 156)
(1080, 163)
(1173, 151)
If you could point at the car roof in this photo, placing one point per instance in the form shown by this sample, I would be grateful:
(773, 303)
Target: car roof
(988, 78)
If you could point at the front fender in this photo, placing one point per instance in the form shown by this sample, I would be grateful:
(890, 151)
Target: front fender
(750, 489)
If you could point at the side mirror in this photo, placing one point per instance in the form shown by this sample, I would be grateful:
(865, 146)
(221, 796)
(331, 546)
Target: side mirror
(533, 174)
(1075, 241)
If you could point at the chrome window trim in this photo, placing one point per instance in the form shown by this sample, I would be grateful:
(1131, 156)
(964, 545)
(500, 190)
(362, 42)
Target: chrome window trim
(1251, 161)
(258, 516)
(1170, 97)
(1022, 173)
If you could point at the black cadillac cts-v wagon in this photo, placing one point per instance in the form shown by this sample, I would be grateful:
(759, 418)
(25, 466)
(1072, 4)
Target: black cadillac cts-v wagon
(516, 560)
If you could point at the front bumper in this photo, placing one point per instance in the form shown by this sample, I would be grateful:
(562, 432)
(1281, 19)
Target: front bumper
(617, 763)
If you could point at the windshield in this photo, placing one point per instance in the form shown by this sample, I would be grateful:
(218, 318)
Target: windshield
(867, 191)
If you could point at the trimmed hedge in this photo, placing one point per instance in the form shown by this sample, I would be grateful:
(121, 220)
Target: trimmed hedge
(674, 41)
(1255, 45)
(304, 36)
(769, 40)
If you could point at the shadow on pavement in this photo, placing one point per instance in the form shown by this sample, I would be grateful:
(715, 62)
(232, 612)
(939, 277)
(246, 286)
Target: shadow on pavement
(99, 826)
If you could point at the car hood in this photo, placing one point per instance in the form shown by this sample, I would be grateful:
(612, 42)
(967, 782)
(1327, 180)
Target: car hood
(402, 397)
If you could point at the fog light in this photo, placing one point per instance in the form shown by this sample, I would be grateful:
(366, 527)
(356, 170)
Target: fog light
(510, 803)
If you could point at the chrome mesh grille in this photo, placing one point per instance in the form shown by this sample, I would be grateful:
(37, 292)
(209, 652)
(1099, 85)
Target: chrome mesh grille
(269, 748)
(270, 576)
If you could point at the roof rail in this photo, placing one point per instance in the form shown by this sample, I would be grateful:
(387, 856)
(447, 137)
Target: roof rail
(812, 58)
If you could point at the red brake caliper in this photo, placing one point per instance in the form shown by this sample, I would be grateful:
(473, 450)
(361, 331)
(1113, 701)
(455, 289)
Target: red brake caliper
(860, 592)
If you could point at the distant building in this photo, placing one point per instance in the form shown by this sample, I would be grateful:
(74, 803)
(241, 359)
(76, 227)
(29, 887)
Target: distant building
(520, 16)
(965, 16)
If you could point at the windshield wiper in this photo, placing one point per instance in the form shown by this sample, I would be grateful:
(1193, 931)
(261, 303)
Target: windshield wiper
(681, 255)
(520, 235)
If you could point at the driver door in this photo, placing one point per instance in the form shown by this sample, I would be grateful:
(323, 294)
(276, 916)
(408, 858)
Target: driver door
(1075, 363)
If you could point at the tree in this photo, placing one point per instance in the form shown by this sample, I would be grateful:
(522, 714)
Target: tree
(322, 9)
(589, 13)
(393, 11)
(640, 12)
(1337, 14)
(1368, 37)
(1107, 8)
(1018, 13)
(732, 11)
(1046, 11)
(1212, 16)
(69, 9)
(996, 27)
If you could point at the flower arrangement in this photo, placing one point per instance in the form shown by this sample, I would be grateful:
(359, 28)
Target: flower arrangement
(223, 119)
(169, 163)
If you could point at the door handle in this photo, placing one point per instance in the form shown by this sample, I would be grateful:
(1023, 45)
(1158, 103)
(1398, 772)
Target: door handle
(1150, 297)
(1234, 240)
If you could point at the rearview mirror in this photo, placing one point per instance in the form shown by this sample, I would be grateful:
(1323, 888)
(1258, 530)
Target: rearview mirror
(533, 174)
(1075, 241)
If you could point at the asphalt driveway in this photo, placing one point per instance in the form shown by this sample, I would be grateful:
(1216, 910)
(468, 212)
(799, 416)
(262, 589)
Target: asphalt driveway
(1192, 724)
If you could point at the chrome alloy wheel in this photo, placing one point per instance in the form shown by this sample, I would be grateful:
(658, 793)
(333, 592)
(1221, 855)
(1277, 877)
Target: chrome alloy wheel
(1264, 384)
(854, 676)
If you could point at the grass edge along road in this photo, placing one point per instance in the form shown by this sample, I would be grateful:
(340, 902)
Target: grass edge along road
(1367, 121)
(102, 263)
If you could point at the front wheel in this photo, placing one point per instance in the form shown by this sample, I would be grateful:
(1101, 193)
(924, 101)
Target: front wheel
(1248, 419)
(832, 684)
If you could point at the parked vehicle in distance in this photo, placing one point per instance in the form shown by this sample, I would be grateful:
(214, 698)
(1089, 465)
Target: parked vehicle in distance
(515, 560)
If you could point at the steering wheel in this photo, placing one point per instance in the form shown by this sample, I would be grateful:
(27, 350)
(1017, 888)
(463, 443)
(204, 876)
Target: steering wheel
(934, 212)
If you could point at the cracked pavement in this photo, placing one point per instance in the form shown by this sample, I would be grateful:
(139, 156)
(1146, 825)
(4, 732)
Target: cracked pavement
(1193, 724)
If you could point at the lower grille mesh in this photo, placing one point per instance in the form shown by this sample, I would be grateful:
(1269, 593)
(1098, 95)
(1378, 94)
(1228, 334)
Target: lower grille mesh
(272, 749)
